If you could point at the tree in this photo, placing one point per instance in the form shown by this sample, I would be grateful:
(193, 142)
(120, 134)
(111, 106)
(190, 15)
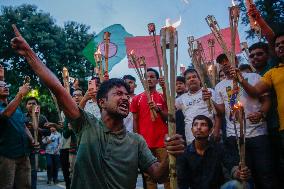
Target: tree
(55, 46)
(271, 10)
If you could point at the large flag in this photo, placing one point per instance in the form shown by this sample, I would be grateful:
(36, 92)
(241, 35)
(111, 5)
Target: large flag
(226, 33)
(143, 46)
(118, 34)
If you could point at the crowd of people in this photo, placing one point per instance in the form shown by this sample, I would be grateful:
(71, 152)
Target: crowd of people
(108, 136)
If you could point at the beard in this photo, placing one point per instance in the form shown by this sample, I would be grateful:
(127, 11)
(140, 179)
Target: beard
(116, 114)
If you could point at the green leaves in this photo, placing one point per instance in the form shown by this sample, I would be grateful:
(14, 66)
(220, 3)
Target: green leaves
(56, 46)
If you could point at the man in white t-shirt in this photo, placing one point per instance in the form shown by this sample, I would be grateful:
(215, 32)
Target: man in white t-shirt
(131, 81)
(192, 103)
(258, 157)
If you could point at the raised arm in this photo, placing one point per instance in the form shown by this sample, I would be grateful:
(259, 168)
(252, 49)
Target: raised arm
(13, 105)
(48, 78)
(266, 31)
(256, 90)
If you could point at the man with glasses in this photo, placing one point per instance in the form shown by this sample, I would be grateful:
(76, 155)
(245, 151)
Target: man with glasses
(260, 58)
(69, 143)
(15, 168)
(262, 61)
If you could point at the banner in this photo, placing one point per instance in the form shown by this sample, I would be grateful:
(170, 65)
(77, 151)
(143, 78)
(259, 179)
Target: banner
(143, 46)
(226, 33)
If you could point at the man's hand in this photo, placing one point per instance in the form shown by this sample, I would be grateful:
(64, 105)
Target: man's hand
(20, 45)
(23, 91)
(30, 125)
(235, 73)
(255, 117)
(162, 82)
(175, 145)
(253, 12)
(36, 145)
(153, 106)
(206, 94)
(242, 173)
(92, 93)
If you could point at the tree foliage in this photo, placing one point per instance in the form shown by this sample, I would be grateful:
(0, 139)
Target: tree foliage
(56, 46)
(271, 10)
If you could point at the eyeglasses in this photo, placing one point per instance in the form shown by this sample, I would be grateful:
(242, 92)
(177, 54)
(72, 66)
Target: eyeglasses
(5, 85)
(77, 95)
(256, 54)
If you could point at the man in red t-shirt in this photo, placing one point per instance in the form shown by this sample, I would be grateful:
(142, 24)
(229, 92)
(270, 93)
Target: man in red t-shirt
(153, 131)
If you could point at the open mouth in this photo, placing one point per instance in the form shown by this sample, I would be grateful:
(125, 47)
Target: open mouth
(124, 107)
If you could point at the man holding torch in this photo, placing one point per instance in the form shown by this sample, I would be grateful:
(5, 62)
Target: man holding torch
(108, 156)
(152, 131)
(258, 156)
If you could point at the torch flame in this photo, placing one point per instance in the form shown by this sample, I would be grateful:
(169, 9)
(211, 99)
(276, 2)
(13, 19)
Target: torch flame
(98, 50)
(210, 68)
(175, 24)
(238, 105)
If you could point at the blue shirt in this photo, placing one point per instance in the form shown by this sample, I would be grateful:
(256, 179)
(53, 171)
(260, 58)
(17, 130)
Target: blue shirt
(53, 147)
(13, 138)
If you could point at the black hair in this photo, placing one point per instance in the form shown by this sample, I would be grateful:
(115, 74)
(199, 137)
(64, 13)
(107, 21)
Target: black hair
(106, 86)
(221, 57)
(180, 79)
(96, 78)
(130, 77)
(259, 45)
(205, 118)
(153, 70)
(190, 70)
(280, 34)
(32, 98)
(243, 67)
(79, 89)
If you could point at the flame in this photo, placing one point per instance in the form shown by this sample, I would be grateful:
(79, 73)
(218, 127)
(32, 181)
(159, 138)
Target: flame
(233, 3)
(98, 50)
(210, 68)
(238, 105)
(175, 24)
(132, 52)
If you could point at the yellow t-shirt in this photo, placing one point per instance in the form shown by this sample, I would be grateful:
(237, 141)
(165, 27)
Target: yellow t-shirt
(275, 78)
